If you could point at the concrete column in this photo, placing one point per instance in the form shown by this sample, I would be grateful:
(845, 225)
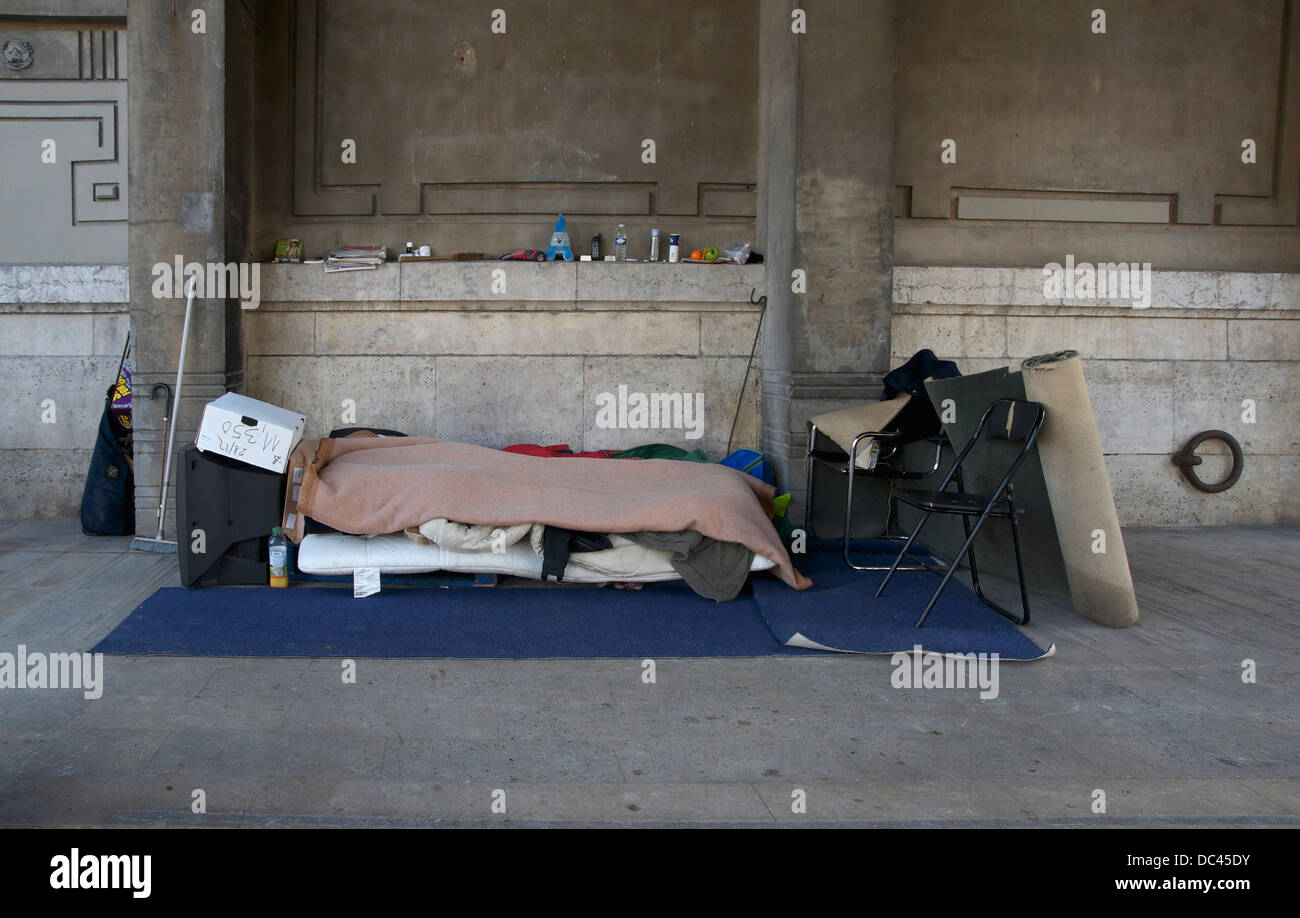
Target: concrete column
(176, 207)
(826, 208)
(778, 137)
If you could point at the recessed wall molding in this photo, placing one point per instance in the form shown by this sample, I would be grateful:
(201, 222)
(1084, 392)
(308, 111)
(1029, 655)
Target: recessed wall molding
(526, 130)
(1175, 107)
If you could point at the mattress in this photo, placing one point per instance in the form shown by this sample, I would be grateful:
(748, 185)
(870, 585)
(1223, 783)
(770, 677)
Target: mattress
(340, 554)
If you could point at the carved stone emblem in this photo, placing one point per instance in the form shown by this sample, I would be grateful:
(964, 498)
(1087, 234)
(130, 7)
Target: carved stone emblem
(18, 54)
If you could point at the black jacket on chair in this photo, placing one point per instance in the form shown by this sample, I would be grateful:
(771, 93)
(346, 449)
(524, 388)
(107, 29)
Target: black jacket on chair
(911, 376)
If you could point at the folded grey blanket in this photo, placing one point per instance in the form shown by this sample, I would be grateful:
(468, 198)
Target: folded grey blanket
(716, 570)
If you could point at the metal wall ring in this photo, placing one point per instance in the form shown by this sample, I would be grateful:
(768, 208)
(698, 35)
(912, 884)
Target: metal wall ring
(1187, 460)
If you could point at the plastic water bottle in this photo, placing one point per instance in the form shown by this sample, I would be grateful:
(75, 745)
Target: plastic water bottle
(620, 243)
(278, 552)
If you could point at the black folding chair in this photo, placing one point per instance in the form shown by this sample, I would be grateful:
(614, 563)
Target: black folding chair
(1018, 421)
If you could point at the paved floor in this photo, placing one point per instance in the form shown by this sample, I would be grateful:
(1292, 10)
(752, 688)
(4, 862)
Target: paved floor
(1156, 717)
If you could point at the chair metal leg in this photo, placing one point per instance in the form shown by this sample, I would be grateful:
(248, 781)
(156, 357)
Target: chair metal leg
(884, 567)
(811, 463)
(1023, 618)
(975, 571)
(919, 566)
(967, 549)
(848, 503)
(974, 567)
(1020, 567)
(906, 545)
(952, 567)
(956, 559)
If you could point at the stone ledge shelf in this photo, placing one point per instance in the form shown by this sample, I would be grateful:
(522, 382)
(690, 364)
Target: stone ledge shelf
(520, 285)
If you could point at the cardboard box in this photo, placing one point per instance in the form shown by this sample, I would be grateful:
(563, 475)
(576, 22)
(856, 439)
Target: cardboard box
(249, 431)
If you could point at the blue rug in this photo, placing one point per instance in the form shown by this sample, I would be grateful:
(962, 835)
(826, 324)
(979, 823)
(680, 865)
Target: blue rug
(663, 620)
(839, 612)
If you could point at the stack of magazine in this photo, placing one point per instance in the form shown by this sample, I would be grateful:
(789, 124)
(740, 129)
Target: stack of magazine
(355, 258)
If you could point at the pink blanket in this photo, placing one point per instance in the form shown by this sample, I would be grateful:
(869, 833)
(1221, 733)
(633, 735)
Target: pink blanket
(366, 485)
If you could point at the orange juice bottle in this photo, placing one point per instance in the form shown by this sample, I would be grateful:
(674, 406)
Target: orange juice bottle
(278, 551)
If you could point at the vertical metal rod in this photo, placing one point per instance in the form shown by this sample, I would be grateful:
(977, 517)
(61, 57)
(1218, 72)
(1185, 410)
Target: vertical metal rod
(176, 403)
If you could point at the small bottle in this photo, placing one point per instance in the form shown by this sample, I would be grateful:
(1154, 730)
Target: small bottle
(873, 454)
(410, 248)
(278, 553)
(674, 248)
(620, 243)
(595, 247)
(654, 245)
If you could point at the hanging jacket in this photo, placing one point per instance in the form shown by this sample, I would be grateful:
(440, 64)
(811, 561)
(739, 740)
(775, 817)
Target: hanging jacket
(911, 376)
(108, 500)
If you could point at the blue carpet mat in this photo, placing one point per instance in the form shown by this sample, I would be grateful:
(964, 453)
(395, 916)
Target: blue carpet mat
(839, 612)
(663, 620)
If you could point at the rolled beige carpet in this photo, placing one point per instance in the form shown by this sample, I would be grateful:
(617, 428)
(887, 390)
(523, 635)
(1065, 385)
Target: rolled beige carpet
(1083, 506)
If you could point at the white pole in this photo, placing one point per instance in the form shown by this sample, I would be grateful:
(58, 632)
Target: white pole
(176, 404)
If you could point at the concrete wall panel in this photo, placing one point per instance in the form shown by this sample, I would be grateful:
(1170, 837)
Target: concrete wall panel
(718, 380)
(507, 333)
(76, 386)
(496, 401)
(1209, 396)
(43, 484)
(395, 392)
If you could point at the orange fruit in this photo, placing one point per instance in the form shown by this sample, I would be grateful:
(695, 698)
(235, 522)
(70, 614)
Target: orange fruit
(697, 255)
